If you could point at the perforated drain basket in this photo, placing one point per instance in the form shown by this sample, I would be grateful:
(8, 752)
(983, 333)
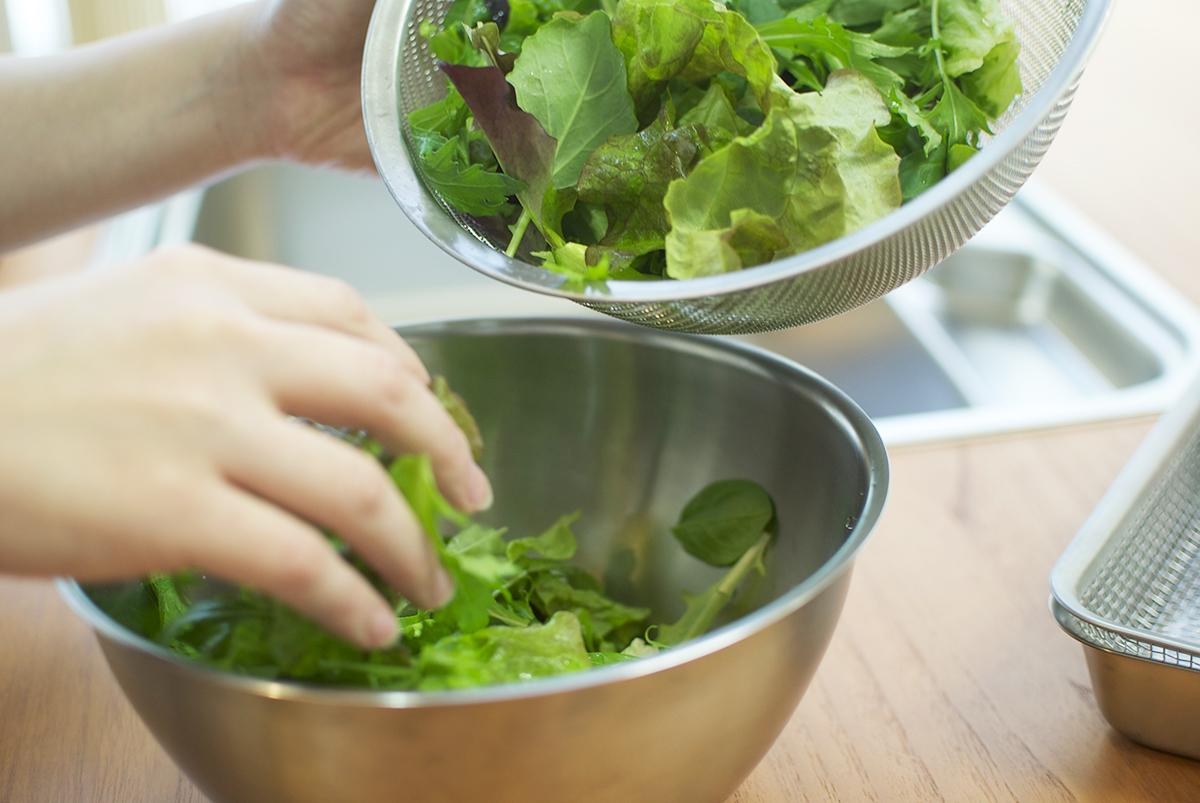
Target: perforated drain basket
(1128, 588)
(1056, 37)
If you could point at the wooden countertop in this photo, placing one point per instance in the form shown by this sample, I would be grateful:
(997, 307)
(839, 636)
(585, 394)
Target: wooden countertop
(947, 680)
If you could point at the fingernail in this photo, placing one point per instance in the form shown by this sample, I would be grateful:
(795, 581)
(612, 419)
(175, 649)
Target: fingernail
(480, 490)
(382, 631)
(441, 588)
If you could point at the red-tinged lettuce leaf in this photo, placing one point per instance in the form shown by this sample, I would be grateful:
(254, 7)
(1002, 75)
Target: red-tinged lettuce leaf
(467, 187)
(630, 175)
(715, 112)
(692, 40)
(522, 146)
(571, 77)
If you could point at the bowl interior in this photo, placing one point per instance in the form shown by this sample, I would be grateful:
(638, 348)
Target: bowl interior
(625, 425)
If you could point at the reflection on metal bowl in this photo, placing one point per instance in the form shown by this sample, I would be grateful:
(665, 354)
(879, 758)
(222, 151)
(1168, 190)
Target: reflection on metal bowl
(625, 424)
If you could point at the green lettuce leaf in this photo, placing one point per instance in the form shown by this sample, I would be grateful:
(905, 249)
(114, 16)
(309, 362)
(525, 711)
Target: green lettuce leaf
(817, 169)
(970, 30)
(571, 78)
(504, 655)
(693, 40)
(994, 85)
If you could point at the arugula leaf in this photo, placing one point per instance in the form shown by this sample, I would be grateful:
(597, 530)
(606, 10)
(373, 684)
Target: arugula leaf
(467, 187)
(956, 116)
(724, 520)
(571, 78)
(171, 605)
(556, 543)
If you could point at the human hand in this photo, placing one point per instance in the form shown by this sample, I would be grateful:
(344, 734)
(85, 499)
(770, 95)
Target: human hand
(311, 54)
(144, 427)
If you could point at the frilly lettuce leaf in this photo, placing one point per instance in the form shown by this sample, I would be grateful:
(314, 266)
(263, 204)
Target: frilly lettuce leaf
(816, 169)
(994, 85)
(504, 655)
(571, 78)
(970, 30)
(692, 40)
(750, 239)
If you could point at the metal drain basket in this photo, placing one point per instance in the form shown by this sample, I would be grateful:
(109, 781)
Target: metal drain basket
(1056, 37)
(1128, 588)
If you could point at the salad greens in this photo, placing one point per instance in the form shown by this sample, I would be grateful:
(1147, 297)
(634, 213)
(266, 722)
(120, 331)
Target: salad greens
(642, 139)
(520, 609)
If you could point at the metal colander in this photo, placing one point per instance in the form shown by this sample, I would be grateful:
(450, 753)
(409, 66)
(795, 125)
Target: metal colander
(1131, 578)
(1056, 37)
(1128, 588)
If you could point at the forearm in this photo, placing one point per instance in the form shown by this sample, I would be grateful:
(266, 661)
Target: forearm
(109, 126)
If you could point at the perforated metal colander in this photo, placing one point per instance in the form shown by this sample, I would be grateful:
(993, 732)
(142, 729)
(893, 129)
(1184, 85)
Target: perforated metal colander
(1056, 37)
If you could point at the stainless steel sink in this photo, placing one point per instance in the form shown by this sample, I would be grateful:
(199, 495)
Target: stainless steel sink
(1042, 320)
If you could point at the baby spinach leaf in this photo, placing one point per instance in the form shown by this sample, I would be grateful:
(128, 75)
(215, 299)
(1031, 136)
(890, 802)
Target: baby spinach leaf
(571, 78)
(724, 520)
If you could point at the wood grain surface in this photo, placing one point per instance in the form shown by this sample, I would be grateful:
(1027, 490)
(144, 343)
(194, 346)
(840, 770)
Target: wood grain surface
(947, 680)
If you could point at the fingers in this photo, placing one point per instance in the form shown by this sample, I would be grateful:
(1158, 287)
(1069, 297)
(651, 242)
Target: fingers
(345, 382)
(251, 541)
(293, 295)
(339, 487)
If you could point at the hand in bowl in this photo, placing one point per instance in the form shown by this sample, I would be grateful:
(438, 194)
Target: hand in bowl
(144, 424)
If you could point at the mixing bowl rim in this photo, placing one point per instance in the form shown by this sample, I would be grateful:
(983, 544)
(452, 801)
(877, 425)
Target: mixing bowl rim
(843, 413)
(392, 159)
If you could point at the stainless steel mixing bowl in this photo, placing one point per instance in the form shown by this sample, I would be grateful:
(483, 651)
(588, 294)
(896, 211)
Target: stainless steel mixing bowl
(626, 424)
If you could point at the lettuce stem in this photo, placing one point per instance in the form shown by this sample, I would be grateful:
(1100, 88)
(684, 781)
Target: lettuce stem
(518, 232)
